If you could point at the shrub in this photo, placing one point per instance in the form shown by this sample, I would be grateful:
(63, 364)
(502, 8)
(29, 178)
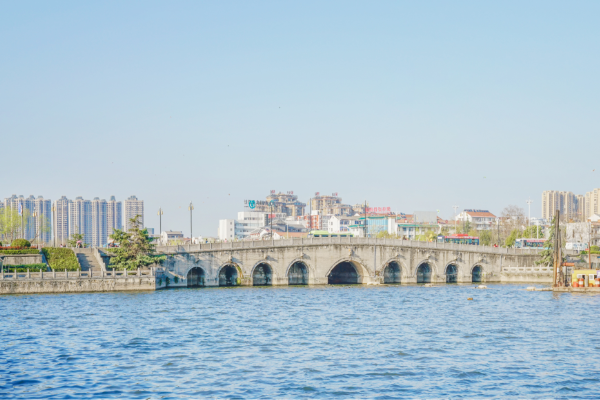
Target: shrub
(60, 259)
(21, 243)
(25, 267)
(21, 251)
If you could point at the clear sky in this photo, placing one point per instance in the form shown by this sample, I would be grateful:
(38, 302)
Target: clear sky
(407, 104)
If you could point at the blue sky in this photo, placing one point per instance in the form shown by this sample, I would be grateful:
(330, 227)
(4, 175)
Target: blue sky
(412, 105)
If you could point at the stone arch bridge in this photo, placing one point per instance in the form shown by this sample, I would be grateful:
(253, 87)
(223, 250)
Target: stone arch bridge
(317, 261)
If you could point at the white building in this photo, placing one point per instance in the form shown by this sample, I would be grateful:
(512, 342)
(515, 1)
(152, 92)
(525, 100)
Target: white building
(38, 213)
(61, 223)
(134, 207)
(167, 236)
(479, 219)
(99, 222)
(246, 222)
(114, 215)
(80, 218)
(338, 224)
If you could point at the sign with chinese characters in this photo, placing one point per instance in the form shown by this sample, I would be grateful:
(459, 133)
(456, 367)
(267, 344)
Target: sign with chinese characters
(272, 192)
(290, 192)
(379, 210)
(334, 194)
(250, 203)
(317, 194)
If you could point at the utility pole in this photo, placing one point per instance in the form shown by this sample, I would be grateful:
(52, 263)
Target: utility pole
(54, 223)
(191, 208)
(455, 208)
(34, 215)
(160, 214)
(557, 255)
(365, 227)
(529, 201)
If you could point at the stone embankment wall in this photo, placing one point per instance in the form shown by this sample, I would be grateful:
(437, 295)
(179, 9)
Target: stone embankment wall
(73, 282)
(21, 259)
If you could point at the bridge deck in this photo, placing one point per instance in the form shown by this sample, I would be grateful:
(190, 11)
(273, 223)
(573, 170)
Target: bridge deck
(351, 241)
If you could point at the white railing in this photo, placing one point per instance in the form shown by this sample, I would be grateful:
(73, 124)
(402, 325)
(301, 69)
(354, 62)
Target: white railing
(342, 241)
(52, 275)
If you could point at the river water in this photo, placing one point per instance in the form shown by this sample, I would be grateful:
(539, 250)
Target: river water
(302, 342)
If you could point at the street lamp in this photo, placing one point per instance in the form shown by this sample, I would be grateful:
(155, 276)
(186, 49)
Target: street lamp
(529, 201)
(191, 208)
(160, 213)
(34, 215)
(53, 223)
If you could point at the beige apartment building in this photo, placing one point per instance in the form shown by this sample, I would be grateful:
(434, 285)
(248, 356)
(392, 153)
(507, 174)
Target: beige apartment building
(570, 205)
(592, 202)
(134, 207)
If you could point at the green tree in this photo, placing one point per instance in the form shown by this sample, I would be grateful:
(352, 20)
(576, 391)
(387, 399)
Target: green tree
(75, 237)
(135, 248)
(533, 232)
(21, 243)
(12, 224)
(514, 235)
(386, 235)
(547, 255)
(486, 238)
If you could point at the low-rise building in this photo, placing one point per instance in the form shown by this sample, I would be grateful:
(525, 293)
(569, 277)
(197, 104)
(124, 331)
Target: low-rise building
(479, 219)
(167, 237)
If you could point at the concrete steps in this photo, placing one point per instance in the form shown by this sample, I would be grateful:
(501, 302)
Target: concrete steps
(87, 260)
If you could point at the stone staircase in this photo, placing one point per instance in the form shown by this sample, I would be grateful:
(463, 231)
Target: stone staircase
(87, 260)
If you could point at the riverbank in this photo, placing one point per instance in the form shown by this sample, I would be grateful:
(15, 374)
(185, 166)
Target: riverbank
(77, 282)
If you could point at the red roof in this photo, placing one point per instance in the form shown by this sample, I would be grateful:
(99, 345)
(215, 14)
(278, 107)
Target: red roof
(480, 214)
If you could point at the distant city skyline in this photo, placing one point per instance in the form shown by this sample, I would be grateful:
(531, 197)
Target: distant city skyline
(95, 219)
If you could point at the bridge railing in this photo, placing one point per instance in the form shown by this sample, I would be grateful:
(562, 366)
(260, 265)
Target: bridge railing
(79, 274)
(342, 240)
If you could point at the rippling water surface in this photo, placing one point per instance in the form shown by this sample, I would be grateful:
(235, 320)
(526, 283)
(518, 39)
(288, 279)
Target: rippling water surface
(301, 342)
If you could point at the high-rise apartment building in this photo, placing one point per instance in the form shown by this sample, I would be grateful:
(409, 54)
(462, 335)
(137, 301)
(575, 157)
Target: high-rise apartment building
(99, 222)
(592, 202)
(61, 221)
(80, 218)
(581, 208)
(37, 217)
(133, 207)
(571, 206)
(43, 219)
(286, 203)
(114, 215)
(330, 205)
(95, 219)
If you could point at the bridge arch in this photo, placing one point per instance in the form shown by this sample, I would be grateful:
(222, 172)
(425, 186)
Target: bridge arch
(392, 271)
(451, 272)
(196, 277)
(346, 271)
(425, 271)
(298, 272)
(229, 274)
(476, 273)
(262, 274)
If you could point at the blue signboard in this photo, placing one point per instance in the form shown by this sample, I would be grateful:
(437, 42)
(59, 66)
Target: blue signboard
(252, 204)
